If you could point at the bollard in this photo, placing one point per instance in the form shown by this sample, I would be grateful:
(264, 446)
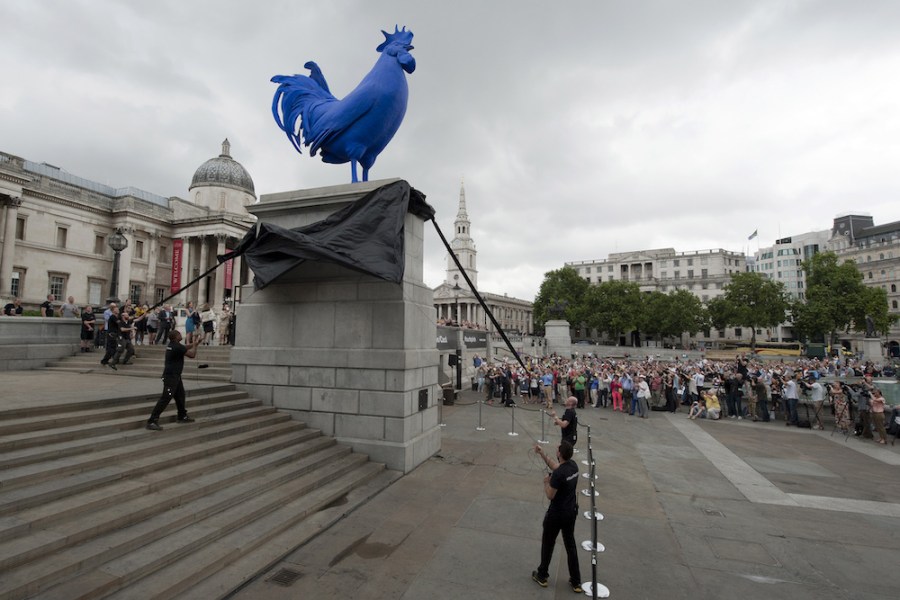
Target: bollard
(513, 432)
(543, 439)
(479, 427)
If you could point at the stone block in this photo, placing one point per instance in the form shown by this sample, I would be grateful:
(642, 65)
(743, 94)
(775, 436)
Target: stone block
(339, 291)
(401, 381)
(359, 426)
(238, 373)
(335, 400)
(360, 379)
(389, 325)
(323, 421)
(313, 377)
(377, 290)
(314, 325)
(353, 325)
(268, 374)
(292, 398)
(277, 327)
(260, 392)
(400, 429)
(385, 404)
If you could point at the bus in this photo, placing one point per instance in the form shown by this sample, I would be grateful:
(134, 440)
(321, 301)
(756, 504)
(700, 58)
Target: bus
(774, 348)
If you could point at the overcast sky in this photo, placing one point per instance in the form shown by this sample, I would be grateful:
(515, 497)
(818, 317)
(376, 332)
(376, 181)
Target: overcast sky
(580, 128)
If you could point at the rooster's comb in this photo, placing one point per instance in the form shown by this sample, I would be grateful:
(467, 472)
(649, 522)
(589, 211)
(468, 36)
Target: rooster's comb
(400, 35)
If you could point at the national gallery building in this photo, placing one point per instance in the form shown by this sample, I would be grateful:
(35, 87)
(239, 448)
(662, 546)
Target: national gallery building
(57, 233)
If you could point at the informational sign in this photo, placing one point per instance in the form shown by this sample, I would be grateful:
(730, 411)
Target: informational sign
(446, 338)
(177, 249)
(475, 339)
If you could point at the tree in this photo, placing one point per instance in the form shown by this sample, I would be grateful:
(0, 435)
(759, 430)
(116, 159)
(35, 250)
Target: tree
(837, 300)
(672, 314)
(751, 300)
(560, 286)
(613, 307)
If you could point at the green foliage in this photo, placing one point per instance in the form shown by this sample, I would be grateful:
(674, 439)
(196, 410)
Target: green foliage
(561, 285)
(672, 314)
(751, 300)
(837, 300)
(613, 306)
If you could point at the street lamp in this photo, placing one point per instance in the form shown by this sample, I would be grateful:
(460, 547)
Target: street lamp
(118, 242)
(456, 290)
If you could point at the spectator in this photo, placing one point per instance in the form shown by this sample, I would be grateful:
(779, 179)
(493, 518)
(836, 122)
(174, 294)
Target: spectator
(87, 328)
(14, 308)
(69, 310)
(47, 306)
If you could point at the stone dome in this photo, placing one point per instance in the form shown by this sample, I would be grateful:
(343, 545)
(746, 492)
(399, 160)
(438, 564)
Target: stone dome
(223, 171)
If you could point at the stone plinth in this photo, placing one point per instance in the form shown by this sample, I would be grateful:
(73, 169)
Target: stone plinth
(348, 353)
(872, 349)
(559, 338)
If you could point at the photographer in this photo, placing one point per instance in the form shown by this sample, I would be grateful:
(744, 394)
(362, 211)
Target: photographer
(561, 488)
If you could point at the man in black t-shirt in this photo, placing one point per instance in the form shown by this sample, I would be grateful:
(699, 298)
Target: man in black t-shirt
(87, 328)
(561, 488)
(172, 385)
(47, 306)
(13, 309)
(568, 423)
(112, 337)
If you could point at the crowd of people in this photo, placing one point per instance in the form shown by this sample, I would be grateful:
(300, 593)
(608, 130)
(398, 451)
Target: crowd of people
(116, 330)
(801, 393)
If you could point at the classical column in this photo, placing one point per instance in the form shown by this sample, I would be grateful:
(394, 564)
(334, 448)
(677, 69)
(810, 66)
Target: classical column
(185, 268)
(203, 284)
(152, 259)
(219, 295)
(9, 246)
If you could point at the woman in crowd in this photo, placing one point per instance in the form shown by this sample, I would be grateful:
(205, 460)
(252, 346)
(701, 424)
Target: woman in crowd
(841, 407)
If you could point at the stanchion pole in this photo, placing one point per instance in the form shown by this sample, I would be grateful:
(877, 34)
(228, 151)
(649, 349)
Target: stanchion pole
(441, 412)
(513, 432)
(593, 588)
(479, 427)
(543, 439)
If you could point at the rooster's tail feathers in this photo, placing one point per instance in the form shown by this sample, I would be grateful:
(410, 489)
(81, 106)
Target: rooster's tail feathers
(292, 100)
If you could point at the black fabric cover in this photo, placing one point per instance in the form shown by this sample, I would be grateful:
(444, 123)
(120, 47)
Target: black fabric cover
(366, 236)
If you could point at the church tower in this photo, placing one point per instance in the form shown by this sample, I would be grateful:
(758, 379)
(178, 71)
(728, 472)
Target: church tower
(463, 247)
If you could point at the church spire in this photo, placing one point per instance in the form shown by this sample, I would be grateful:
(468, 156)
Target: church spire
(462, 217)
(463, 246)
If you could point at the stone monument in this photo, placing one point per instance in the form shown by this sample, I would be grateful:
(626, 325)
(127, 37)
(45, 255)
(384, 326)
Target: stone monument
(557, 331)
(346, 352)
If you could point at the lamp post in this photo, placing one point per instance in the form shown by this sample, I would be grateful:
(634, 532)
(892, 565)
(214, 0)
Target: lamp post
(118, 242)
(456, 290)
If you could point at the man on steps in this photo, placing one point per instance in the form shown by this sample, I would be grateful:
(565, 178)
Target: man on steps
(172, 385)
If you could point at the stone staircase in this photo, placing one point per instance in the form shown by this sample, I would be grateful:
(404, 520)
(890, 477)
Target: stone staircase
(213, 363)
(92, 505)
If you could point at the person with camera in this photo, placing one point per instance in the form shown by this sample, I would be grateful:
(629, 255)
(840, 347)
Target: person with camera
(561, 488)
(568, 424)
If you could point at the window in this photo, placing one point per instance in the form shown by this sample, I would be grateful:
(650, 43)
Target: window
(704, 260)
(588, 279)
(163, 255)
(160, 294)
(609, 269)
(62, 234)
(99, 244)
(664, 263)
(704, 273)
(690, 273)
(893, 304)
(17, 284)
(663, 274)
(676, 263)
(704, 286)
(721, 333)
(690, 262)
(663, 288)
(20, 228)
(738, 332)
(870, 274)
(587, 270)
(95, 292)
(893, 287)
(677, 273)
(57, 285)
(139, 249)
(135, 293)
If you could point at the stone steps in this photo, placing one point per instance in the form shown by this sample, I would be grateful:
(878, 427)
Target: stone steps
(93, 505)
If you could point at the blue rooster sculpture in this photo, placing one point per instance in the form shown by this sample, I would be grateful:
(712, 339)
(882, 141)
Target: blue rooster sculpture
(359, 126)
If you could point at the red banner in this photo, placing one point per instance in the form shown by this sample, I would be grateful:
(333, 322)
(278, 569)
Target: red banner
(176, 264)
(229, 269)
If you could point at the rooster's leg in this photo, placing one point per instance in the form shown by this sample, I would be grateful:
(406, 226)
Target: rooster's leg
(353, 171)
(365, 173)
